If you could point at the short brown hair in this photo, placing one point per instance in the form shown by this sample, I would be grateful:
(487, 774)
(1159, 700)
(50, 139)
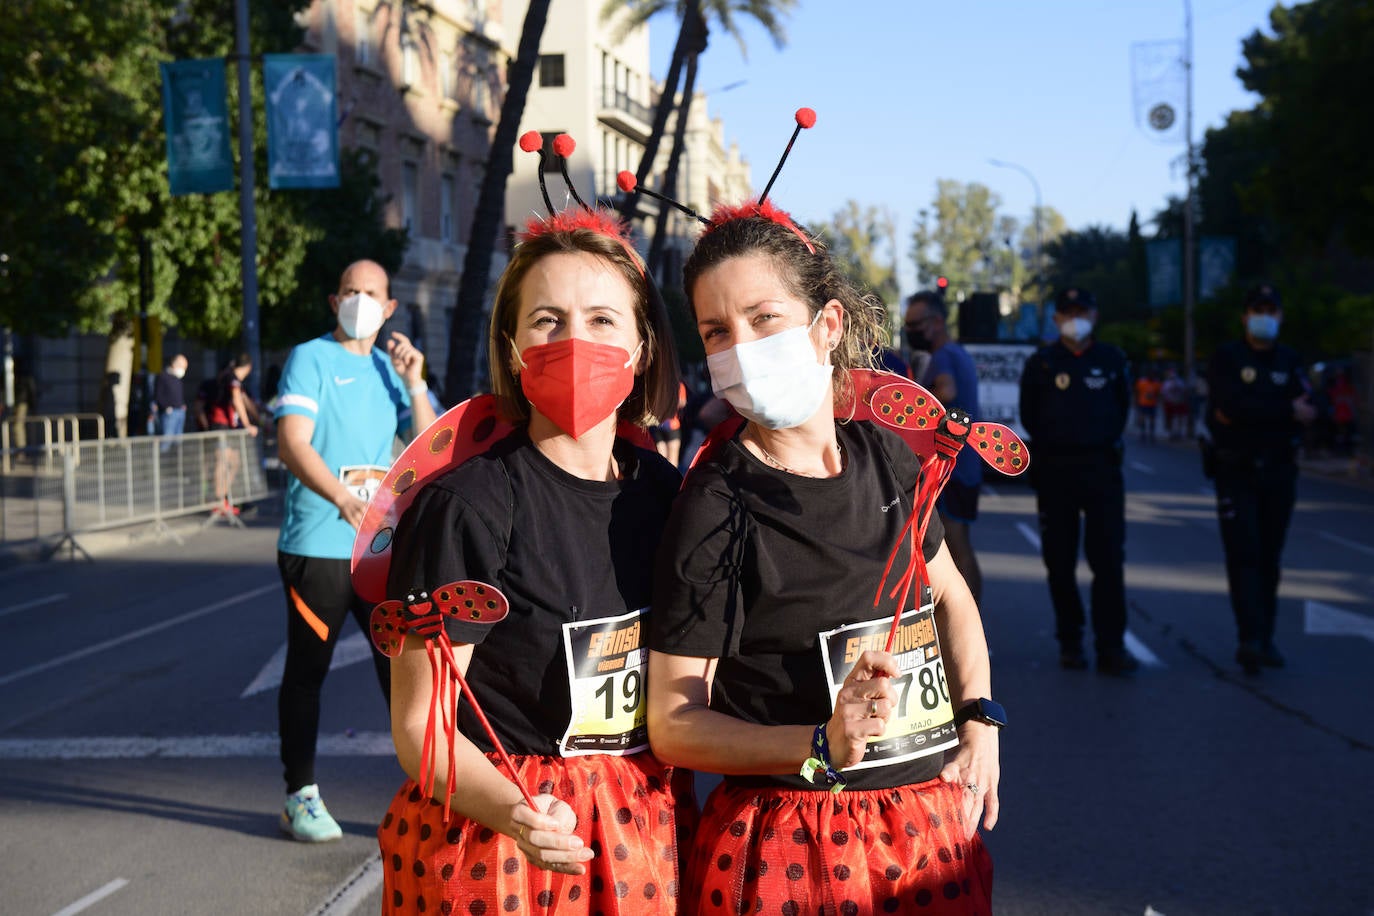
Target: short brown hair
(654, 396)
(811, 276)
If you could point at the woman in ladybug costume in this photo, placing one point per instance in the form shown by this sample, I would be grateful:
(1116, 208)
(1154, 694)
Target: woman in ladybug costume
(522, 576)
(860, 751)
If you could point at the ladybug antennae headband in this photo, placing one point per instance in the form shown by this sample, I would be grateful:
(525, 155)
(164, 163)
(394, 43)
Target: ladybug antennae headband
(805, 118)
(583, 216)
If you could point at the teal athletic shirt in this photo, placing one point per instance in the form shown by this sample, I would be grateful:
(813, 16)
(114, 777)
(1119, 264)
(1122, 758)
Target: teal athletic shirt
(356, 403)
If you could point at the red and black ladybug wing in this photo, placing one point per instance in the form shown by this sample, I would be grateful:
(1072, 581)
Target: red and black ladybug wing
(463, 431)
(387, 627)
(471, 601)
(876, 396)
(1000, 447)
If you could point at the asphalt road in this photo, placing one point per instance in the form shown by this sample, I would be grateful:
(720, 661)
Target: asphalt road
(138, 769)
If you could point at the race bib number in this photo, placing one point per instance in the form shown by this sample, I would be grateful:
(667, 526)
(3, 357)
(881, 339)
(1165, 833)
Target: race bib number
(607, 665)
(923, 721)
(362, 480)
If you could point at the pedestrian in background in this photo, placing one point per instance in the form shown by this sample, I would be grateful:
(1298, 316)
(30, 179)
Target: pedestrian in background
(1173, 396)
(951, 376)
(1147, 390)
(1258, 405)
(227, 410)
(1075, 398)
(169, 400)
(340, 400)
(913, 337)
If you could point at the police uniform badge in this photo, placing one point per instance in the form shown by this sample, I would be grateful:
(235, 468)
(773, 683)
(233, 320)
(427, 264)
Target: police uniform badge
(1247, 374)
(1061, 381)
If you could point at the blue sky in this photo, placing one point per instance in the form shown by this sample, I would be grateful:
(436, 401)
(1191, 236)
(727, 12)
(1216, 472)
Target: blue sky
(910, 91)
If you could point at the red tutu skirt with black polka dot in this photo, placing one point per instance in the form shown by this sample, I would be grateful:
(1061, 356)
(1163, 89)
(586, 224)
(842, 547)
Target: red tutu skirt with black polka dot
(855, 852)
(633, 812)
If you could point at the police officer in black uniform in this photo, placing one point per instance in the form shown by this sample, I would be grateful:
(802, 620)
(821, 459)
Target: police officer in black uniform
(1075, 397)
(1258, 401)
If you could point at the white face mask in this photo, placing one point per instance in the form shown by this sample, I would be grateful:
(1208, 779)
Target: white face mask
(176, 372)
(1076, 328)
(1262, 327)
(774, 381)
(360, 316)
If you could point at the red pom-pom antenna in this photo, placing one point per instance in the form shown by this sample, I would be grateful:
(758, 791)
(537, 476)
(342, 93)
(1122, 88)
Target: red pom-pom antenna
(564, 145)
(626, 181)
(531, 141)
(805, 118)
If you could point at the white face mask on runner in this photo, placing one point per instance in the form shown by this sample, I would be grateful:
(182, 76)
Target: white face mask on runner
(360, 316)
(775, 380)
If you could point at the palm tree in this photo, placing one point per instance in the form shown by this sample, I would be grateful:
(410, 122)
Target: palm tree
(691, 41)
(464, 367)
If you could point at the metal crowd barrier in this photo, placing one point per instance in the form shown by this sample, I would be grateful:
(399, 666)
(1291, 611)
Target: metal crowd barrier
(72, 488)
(40, 435)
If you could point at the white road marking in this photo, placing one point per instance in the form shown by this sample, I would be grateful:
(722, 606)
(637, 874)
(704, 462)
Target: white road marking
(1345, 542)
(37, 602)
(1141, 651)
(354, 890)
(348, 651)
(136, 634)
(253, 744)
(92, 898)
(1142, 468)
(1029, 534)
(1324, 620)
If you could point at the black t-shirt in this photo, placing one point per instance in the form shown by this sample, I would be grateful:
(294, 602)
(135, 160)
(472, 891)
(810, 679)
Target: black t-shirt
(560, 548)
(1255, 390)
(756, 562)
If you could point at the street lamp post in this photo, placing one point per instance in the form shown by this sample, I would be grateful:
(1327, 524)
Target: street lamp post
(1039, 238)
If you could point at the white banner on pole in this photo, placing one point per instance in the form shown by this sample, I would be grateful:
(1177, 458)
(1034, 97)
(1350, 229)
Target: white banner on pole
(1159, 87)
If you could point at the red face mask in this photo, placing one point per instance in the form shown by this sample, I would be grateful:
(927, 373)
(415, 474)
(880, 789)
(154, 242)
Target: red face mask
(576, 383)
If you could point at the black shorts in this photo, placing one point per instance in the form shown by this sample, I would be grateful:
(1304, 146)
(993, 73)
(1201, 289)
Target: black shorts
(959, 502)
(666, 433)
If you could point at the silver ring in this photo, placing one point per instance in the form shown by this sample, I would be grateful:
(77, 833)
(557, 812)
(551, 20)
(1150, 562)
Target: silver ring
(873, 709)
(972, 787)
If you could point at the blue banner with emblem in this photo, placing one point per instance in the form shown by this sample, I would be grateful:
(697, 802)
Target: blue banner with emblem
(1164, 261)
(302, 121)
(196, 114)
(1216, 263)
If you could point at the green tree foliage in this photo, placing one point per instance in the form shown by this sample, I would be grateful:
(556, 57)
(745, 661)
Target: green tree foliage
(85, 147)
(1099, 259)
(963, 237)
(862, 241)
(1314, 125)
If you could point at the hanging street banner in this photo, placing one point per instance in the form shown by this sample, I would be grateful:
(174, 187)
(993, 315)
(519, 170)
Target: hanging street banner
(1216, 264)
(1159, 88)
(1164, 261)
(195, 112)
(302, 121)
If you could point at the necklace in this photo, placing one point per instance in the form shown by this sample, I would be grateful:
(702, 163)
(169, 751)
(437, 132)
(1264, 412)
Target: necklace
(771, 459)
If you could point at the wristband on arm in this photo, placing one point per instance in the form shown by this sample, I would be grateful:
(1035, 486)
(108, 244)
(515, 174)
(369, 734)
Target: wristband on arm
(817, 769)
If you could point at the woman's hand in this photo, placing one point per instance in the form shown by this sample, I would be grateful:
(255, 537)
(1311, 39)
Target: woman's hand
(977, 768)
(546, 836)
(862, 708)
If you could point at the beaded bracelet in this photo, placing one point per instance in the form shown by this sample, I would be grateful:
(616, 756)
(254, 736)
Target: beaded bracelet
(817, 768)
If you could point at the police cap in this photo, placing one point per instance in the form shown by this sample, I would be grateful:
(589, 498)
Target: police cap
(1074, 297)
(1263, 294)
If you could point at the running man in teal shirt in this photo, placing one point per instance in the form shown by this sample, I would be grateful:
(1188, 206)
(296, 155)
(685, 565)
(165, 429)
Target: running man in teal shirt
(341, 399)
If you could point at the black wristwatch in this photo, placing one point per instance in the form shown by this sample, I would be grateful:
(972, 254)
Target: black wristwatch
(989, 712)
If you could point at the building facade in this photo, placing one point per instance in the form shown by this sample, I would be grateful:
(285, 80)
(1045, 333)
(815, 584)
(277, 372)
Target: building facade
(420, 87)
